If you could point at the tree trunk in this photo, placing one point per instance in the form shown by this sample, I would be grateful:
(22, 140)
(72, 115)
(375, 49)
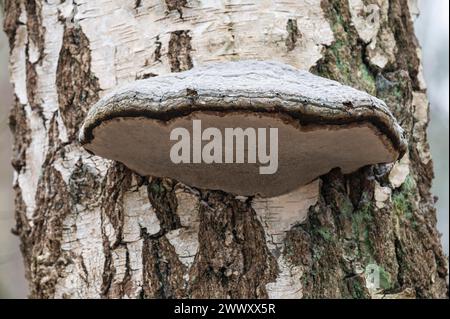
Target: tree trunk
(91, 228)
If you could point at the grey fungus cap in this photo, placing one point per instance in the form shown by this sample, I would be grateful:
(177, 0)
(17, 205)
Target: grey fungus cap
(321, 123)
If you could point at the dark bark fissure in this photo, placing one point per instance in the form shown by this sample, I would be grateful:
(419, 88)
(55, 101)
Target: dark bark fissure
(158, 50)
(11, 23)
(137, 4)
(77, 87)
(233, 260)
(403, 29)
(176, 5)
(108, 270)
(35, 42)
(54, 202)
(162, 197)
(18, 124)
(293, 34)
(113, 187)
(344, 60)
(336, 242)
(179, 51)
(163, 271)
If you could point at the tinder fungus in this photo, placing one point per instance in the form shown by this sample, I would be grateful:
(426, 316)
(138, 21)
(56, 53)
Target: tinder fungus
(247, 127)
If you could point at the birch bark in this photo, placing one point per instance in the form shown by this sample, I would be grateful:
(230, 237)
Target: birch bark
(91, 228)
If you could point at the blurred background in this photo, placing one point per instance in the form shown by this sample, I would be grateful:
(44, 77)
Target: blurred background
(432, 29)
(12, 281)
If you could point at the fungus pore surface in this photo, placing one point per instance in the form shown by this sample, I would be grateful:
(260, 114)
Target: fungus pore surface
(321, 125)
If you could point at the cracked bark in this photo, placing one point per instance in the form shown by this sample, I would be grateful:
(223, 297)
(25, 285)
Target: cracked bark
(90, 228)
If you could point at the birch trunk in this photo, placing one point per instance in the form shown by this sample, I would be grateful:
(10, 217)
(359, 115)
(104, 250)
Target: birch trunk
(91, 228)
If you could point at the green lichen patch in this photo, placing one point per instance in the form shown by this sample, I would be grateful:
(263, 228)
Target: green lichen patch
(362, 221)
(356, 288)
(325, 233)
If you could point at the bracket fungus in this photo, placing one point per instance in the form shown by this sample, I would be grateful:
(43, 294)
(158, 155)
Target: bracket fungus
(321, 125)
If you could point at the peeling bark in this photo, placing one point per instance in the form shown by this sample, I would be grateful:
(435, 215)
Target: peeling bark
(91, 228)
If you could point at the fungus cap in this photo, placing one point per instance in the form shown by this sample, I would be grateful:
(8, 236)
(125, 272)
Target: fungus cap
(321, 124)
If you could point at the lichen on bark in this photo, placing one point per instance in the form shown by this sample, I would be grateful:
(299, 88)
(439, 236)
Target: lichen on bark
(77, 86)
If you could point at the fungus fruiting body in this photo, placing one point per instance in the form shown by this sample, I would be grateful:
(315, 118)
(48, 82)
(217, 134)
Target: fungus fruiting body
(320, 124)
